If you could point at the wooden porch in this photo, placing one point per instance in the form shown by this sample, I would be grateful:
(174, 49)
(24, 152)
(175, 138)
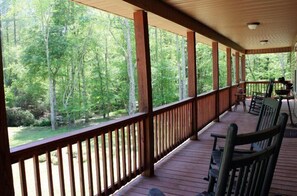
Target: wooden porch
(99, 160)
(182, 171)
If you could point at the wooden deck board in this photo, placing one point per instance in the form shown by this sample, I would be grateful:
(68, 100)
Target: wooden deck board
(182, 171)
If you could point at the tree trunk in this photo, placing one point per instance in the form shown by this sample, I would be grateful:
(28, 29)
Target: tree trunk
(102, 100)
(107, 80)
(130, 69)
(84, 90)
(69, 92)
(52, 82)
(14, 28)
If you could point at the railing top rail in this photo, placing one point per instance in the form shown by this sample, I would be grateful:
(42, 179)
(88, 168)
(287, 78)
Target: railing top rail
(206, 94)
(164, 108)
(263, 82)
(49, 144)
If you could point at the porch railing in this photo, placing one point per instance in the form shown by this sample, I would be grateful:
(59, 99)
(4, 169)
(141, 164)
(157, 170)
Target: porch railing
(99, 160)
(94, 160)
(172, 126)
(260, 86)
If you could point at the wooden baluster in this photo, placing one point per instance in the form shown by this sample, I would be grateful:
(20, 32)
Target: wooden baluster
(159, 136)
(124, 155)
(89, 164)
(129, 150)
(111, 168)
(61, 171)
(155, 137)
(161, 130)
(71, 169)
(97, 162)
(164, 126)
(104, 164)
(139, 135)
(170, 131)
(134, 148)
(81, 168)
(49, 173)
(190, 113)
(179, 125)
(183, 122)
(37, 175)
(189, 119)
(117, 143)
(23, 178)
(175, 126)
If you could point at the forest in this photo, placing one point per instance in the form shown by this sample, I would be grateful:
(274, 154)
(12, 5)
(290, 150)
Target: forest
(66, 64)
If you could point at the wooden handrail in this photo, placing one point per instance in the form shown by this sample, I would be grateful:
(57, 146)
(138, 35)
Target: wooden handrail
(49, 144)
(170, 106)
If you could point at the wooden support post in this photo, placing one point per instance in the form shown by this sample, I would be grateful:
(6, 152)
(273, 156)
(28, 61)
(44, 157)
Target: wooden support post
(237, 67)
(145, 87)
(6, 179)
(215, 76)
(192, 79)
(229, 75)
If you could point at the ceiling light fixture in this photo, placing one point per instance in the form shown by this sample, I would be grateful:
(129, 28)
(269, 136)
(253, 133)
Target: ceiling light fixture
(264, 42)
(253, 25)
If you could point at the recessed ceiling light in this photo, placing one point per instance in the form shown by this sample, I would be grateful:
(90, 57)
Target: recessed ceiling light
(264, 41)
(253, 25)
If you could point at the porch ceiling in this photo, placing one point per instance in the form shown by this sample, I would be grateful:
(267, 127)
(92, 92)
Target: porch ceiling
(278, 19)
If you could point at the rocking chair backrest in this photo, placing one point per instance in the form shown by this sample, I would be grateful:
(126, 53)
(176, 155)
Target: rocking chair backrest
(250, 174)
(268, 117)
(269, 88)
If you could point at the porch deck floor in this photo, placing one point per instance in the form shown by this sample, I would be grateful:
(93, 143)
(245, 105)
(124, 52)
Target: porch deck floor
(182, 171)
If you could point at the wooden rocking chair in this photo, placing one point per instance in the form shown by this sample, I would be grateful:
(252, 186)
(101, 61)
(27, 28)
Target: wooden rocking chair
(257, 98)
(268, 117)
(252, 173)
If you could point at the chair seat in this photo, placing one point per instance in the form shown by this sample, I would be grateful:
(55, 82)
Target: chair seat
(216, 155)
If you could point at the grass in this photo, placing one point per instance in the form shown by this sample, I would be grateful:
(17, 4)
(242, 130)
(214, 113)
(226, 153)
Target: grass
(22, 135)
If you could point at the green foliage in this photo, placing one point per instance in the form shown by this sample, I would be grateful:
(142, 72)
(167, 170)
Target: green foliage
(204, 68)
(266, 66)
(42, 122)
(164, 67)
(87, 61)
(18, 117)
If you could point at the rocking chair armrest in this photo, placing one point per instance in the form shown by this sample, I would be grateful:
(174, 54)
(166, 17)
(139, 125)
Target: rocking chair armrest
(244, 151)
(216, 135)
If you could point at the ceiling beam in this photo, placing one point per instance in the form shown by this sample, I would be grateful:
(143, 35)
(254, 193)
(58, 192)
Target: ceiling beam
(168, 12)
(268, 50)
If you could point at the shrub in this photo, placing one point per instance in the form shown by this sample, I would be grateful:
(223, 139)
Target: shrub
(42, 122)
(18, 117)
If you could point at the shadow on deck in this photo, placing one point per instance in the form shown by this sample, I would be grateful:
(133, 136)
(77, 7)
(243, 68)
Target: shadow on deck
(182, 171)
